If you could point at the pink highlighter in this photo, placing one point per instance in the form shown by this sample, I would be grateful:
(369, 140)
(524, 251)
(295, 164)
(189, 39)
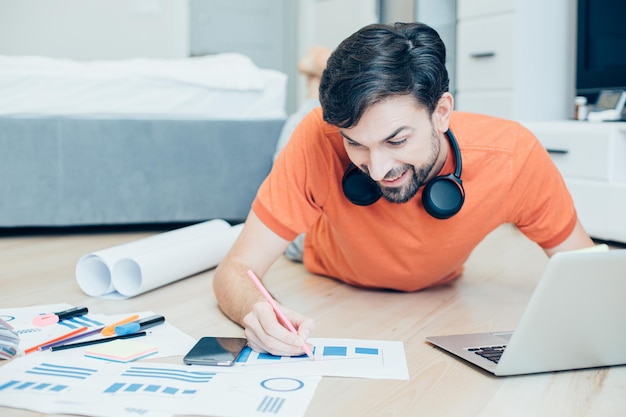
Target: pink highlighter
(51, 318)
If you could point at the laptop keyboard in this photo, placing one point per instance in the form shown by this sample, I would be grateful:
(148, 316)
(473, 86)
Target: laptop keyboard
(492, 353)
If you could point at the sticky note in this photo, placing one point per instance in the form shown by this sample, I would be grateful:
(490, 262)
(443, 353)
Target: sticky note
(121, 350)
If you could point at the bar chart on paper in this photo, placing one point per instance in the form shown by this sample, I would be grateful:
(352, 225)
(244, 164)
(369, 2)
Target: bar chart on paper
(46, 378)
(320, 352)
(156, 381)
(35, 387)
(335, 357)
(149, 389)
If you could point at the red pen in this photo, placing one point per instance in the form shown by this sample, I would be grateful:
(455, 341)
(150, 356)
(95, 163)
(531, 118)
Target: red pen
(56, 339)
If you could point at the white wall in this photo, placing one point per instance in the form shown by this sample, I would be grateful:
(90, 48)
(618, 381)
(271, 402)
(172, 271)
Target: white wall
(94, 29)
(113, 29)
(119, 29)
(328, 22)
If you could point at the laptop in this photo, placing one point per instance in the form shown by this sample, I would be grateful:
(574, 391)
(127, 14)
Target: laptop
(575, 319)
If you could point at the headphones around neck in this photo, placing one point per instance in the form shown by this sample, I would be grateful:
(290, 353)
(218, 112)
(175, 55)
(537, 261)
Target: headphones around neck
(442, 198)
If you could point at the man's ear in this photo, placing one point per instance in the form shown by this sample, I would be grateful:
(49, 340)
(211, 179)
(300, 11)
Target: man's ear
(443, 112)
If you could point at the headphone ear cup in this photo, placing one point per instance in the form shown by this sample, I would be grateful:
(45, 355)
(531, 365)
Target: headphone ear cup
(443, 197)
(358, 187)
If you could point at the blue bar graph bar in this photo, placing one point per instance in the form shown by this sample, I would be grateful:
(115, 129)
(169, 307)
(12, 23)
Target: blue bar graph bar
(304, 355)
(58, 388)
(335, 351)
(170, 390)
(267, 356)
(244, 355)
(133, 387)
(8, 385)
(366, 351)
(114, 388)
(25, 385)
(41, 386)
(279, 405)
(152, 388)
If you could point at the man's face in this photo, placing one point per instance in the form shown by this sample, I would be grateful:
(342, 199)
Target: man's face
(397, 145)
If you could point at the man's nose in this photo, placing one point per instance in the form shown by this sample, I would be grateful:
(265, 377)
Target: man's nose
(379, 165)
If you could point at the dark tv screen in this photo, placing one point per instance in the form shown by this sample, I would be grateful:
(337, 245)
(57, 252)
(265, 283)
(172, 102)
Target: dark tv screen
(601, 46)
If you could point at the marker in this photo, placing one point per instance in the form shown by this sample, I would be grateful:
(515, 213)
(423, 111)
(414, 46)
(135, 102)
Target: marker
(57, 339)
(110, 330)
(95, 342)
(277, 310)
(51, 318)
(70, 339)
(138, 325)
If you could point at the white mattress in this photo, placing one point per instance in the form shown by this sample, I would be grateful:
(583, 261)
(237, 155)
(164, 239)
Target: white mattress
(222, 86)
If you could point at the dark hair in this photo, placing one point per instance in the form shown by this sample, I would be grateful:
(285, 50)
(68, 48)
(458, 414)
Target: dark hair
(380, 61)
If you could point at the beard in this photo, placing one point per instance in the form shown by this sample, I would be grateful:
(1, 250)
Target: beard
(418, 176)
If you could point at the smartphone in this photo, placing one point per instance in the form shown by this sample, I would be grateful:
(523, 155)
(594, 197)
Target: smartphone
(216, 351)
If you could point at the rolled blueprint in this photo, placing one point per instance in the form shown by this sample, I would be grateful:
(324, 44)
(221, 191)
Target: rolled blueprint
(136, 267)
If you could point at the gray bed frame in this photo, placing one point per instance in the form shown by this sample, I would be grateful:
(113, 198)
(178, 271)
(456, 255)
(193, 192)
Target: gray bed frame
(107, 170)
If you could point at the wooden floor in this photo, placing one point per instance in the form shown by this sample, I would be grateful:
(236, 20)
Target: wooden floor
(491, 295)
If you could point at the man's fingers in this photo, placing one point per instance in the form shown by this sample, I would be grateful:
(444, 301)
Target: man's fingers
(266, 334)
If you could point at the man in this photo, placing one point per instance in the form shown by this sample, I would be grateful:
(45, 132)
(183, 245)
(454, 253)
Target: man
(386, 128)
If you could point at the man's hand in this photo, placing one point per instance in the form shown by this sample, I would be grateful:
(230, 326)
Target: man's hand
(265, 333)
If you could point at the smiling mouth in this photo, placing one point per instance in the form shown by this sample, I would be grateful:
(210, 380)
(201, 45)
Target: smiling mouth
(393, 181)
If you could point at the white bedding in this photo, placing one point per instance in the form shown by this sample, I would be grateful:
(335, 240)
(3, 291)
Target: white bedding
(222, 86)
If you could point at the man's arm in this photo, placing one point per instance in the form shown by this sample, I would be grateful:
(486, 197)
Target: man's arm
(257, 248)
(578, 239)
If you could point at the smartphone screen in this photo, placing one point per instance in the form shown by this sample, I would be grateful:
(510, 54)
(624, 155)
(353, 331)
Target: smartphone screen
(217, 351)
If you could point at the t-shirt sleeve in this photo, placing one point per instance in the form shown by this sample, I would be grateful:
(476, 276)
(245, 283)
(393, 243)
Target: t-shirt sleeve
(539, 201)
(289, 200)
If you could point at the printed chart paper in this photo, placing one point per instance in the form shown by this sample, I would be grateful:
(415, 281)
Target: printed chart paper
(375, 359)
(133, 268)
(107, 389)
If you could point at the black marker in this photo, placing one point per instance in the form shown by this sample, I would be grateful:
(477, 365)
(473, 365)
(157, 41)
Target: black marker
(95, 342)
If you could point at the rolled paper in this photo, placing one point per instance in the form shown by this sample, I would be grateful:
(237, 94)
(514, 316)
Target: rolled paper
(133, 268)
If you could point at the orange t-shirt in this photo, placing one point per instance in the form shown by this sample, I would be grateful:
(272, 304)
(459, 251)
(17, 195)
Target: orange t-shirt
(507, 175)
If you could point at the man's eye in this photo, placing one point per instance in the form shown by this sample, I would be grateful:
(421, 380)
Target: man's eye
(353, 144)
(397, 142)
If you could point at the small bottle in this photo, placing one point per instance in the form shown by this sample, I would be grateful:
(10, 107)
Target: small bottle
(580, 108)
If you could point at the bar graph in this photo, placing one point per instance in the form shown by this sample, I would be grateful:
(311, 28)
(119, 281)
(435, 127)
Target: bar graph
(50, 369)
(157, 380)
(133, 388)
(271, 405)
(80, 321)
(155, 372)
(39, 387)
(59, 385)
(322, 352)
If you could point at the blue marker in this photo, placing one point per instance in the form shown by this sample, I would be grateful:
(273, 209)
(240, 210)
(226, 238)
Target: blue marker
(139, 325)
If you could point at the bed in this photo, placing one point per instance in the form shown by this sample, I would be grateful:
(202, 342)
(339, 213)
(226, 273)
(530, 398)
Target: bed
(139, 141)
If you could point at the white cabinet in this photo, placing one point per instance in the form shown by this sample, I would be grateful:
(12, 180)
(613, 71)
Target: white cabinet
(515, 58)
(592, 159)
